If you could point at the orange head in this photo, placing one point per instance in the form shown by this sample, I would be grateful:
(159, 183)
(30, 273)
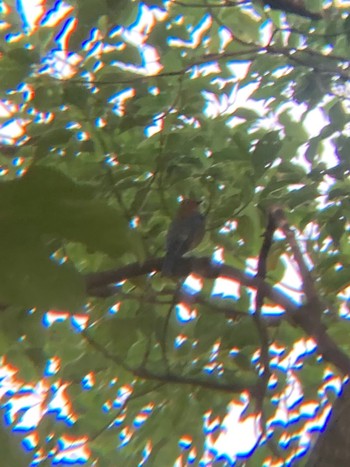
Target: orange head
(188, 207)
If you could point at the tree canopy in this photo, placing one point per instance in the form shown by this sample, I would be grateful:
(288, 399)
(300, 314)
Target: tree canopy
(111, 112)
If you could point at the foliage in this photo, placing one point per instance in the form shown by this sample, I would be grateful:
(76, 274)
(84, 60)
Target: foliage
(115, 127)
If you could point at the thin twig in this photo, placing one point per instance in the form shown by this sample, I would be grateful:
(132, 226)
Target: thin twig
(263, 333)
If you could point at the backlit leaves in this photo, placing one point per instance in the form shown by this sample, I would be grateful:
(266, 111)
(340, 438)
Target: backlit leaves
(153, 102)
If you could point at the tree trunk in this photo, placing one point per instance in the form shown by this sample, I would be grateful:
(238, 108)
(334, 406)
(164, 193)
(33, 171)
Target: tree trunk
(332, 448)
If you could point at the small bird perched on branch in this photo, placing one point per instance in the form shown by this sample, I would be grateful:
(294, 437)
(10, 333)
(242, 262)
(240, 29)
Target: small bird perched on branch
(185, 232)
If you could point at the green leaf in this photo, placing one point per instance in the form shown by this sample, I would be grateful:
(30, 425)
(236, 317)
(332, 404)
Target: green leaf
(311, 377)
(287, 334)
(26, 370)
(12, 73)
(243, 25)
(337, 115)
(249, 228)
(128, 54)
(137, 352)
(12, 450)
(265, 152)
(90, 10)
(339, 331)
(336, 279)
(52, 203)
(77, 164)
(247, 114)
(47, 97)
(242, 334)
(165, 452)
(29, 277)
(76, 95)
(305, 194)
(24, 56)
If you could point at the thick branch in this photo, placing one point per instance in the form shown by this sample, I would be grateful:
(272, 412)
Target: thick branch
(332, 446)
(296, 315)
(203, 266)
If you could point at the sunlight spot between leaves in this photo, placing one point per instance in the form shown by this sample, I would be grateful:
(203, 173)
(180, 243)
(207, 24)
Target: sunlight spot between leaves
(79, 322)
(193, 284)
(196, 34)
(14, 37)
(111, 160)
(61, 405)
(93, 45)
(54, 316)
(143, 415)
(28, 95)
(55, 15)
(218, 256)
(11, 130)
(88, 381)
(155, 127)
(145, 453)
(226, 288)
(21, 172)
(42, 117)
(184, 314)
(210, 425)
(134, 222)
(100, 122)
(61, 65)
(249, 431)
(276, 350)
(17, 161)
(39, 456)
(72, 450)
(234, 351)
(63, 36)
(114, 308)
(120, 419)
(28, 398)
(192, 455)
(58, 257)
(31, 441)
(31, 13)
(107, 406)
(52, 366)
(185, 442)
(123, 394)
(118, 100)
(180, 340)
(73, 126)
(215, 350)
(125, 436)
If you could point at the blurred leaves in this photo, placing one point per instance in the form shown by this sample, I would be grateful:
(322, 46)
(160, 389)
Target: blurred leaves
(214, 102)
(38, 209)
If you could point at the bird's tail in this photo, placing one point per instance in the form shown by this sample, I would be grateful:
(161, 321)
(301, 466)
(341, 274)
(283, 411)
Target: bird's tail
(169, 264)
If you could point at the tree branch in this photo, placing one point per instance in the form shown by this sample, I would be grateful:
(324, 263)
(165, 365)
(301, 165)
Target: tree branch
(302, 316)
(169, 377)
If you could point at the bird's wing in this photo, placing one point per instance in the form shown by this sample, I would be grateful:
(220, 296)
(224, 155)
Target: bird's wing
(185, 234)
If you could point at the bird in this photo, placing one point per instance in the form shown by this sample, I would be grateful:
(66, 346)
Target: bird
(185, 232)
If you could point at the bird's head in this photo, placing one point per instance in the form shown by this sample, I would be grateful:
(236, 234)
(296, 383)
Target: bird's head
(188, 206)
